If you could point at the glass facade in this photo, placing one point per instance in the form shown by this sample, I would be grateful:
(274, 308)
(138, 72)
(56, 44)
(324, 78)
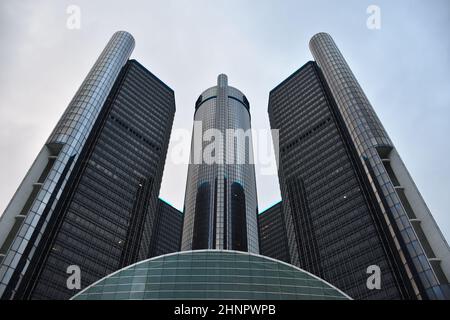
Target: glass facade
(272, 234)
(373, 146)
(211, 274)
(220, 203)
(63, 148)
(168, 227)
(332, 227)
(101, 215)
(344, 208)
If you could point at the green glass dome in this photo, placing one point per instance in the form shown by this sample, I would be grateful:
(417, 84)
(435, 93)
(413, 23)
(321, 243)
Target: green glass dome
(211, 274)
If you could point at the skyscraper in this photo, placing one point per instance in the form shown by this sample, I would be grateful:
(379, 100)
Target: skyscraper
(348, 200)
(168, 228)
(272, 234)
(90, 197)
(220, 202)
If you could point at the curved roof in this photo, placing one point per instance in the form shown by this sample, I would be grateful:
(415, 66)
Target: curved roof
(232, 92)
(211, 274)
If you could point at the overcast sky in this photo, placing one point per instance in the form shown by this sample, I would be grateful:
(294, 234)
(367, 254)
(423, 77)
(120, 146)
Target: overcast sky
(403, 68)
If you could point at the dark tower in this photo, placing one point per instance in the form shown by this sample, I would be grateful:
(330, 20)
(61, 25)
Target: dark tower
(220, 202)
(167, 235)
(347, 196)
(272, 233)
(90, 199)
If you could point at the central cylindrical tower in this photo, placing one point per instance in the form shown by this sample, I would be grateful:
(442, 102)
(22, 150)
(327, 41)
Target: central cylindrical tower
(220, 204)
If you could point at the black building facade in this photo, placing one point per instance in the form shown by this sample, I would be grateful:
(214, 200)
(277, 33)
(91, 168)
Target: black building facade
(169, 226)
(110, 206)
(105, 215)
(272, 234)
(341, 217)
(331, 224)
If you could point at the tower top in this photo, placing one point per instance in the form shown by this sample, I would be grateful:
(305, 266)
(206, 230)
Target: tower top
(222, 80)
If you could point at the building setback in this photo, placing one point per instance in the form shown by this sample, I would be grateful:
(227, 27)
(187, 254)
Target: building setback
(272, 234)
(91, 196)
(220, 203)
(348, 200)
(168, 227)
